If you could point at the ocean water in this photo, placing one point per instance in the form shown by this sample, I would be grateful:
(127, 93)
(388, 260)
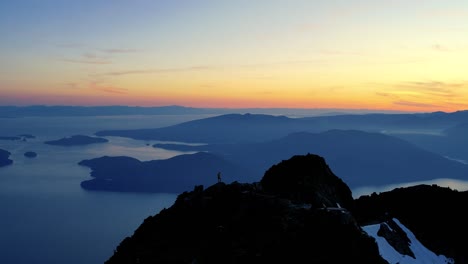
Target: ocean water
(45, 216)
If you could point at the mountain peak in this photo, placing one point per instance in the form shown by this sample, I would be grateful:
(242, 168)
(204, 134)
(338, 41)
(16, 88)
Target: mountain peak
(256, 223)
(307, 179)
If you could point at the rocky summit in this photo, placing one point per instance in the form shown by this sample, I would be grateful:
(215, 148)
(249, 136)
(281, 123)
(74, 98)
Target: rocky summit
(300, 212)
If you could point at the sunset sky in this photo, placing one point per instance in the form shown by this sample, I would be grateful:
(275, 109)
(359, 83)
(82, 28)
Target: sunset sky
(407, 55)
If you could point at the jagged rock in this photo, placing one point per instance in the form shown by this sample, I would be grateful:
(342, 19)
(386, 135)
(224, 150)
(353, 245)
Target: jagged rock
(256, 223)
(434, 214)
(396, 237)
(307, 179)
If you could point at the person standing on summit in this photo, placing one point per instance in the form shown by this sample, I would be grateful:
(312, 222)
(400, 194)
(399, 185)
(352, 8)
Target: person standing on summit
(219, 176)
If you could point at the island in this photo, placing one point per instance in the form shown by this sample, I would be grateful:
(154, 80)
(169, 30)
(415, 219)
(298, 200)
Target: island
(127, 174)
(76, 140)
(4, 158)
(30, 154)
(9, 138)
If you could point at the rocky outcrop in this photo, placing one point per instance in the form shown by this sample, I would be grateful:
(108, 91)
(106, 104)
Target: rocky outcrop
(297, 213)
(396, 237)
(307, 179)
(434, 214)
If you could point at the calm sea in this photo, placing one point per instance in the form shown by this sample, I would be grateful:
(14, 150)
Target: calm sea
(45, 216)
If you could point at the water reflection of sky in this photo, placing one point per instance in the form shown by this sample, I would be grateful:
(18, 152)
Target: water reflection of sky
(46, 216)
(443, 182)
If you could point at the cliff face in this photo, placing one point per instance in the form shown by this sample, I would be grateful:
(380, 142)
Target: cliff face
(435, 215)
(298, 213)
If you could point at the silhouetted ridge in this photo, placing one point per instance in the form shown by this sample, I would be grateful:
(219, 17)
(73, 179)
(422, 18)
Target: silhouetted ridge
(434, 214)
(256, 222)
(307, 179)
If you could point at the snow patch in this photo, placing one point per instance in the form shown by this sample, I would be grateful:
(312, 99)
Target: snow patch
(423, 255)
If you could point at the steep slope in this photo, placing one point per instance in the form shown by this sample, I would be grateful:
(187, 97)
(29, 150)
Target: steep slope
(281, 219)
(397, 244)
(434, 214)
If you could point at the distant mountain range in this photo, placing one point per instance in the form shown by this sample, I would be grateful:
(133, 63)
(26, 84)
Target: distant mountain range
(360, 158)
(235, 128)
(364, 157)
(45, 111)
(58, 110)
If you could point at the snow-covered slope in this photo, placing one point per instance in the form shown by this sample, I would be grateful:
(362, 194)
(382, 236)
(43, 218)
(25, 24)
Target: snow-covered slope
(397, 244)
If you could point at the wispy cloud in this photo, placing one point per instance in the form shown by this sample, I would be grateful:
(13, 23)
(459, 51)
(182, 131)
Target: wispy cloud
(415, 104)
(72, 85)
(116, 51)
(207, 67)
(87, 61)
(155, 71)
(89, 58)
(435, 88)
(422, 94)
(108, 89)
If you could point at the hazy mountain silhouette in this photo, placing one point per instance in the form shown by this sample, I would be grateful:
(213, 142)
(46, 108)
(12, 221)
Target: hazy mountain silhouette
(360, 158)
(231, 128)
(235, 128)
(452, 142)
(59, 110)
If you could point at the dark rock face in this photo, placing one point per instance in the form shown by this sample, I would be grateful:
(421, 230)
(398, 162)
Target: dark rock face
(278, 220)
(434, 214)
(4, 158)
(76, 140)
(307, 179)
(396, 237)
(30, 154)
